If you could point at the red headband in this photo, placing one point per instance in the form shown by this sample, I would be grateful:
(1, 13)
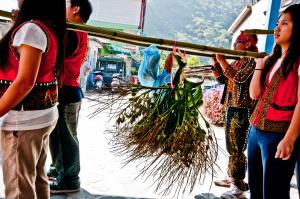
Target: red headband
(247, 38)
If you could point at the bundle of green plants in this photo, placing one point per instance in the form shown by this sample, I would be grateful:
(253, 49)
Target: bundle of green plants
(163, 128)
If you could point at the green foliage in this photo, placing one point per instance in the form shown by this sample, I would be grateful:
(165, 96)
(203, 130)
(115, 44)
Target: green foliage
(200, 21)
(133, 70)
(192, 61)
(164, 127)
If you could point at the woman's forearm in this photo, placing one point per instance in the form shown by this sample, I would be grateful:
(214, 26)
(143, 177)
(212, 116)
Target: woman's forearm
(15, 93)
(224, 64)
(255, 88)
(294, 128)
(30, 59)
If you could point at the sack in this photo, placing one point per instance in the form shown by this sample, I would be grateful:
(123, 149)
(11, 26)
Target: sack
(149, 67)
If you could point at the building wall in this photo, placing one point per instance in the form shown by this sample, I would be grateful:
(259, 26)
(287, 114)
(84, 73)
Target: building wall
(288, 2)
(256, 20)
(94, 47)
(285, 3)
(117, 11)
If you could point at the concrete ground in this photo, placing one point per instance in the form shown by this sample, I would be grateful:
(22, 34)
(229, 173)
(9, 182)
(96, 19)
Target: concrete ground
(104, 176)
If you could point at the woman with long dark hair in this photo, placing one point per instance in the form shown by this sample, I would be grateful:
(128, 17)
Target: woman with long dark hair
(273, 143)
(31, 64)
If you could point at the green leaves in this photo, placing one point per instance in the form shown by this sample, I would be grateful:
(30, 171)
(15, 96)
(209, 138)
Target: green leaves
(162, 125)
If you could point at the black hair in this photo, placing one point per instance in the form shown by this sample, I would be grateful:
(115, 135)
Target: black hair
(293, 52)
(43, 11)
(254, 36)
(253, 48)
(85, 8)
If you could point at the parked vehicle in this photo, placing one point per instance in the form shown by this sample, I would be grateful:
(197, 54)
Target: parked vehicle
(116, 82)
(134, 79)
(98, 81)
(108, 66)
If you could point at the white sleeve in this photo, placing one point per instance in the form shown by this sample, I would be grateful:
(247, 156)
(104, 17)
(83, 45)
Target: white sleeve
(31, 35)
(299, 70)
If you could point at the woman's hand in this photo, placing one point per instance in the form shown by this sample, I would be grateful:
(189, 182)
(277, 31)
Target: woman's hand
(261, 62)
(214, 61)
(220, 57)
(285, 149)
(286, 146)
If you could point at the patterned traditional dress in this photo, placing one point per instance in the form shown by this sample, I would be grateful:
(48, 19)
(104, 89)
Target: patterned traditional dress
(239, 107)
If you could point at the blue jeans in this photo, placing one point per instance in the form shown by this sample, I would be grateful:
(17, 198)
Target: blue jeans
(269, 178)
(298, 174)
(64, 145)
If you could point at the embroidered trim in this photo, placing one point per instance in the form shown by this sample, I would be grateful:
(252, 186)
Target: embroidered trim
(245, 73)
(263, 123)
(269, 96)
(274, 126)
(6, 82)
(42, 96)
(238, 74)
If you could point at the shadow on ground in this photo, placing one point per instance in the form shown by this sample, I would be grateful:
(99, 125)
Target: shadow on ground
(83, 194)
(206, 196)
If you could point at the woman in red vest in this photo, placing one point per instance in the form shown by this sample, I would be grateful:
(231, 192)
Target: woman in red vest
(273, 143)
(31, 59)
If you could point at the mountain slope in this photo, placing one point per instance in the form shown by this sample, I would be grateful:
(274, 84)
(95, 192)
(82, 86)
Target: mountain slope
(199, 21)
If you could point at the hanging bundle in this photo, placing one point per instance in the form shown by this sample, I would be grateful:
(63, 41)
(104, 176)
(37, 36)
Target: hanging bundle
(164, 128)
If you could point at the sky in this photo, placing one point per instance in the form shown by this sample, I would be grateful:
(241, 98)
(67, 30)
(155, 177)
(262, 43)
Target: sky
(8, 5)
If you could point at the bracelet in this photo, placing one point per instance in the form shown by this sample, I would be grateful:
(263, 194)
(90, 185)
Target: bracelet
(258, 69)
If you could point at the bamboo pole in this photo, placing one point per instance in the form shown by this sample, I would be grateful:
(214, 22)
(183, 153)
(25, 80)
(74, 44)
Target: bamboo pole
(123, 37)
(5, 14)
(259, 31)
(160, 42)
(166, 48)
(8, 15)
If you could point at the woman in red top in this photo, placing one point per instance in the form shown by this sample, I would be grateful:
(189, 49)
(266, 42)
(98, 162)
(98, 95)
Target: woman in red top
(31, 59)
(273, 143)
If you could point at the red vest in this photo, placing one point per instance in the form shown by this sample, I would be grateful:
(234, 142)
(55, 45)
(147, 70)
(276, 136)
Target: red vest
(74, 62)
(44, 93)
(274, 110)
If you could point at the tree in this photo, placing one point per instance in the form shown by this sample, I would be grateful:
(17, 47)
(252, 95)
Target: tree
(193, 61)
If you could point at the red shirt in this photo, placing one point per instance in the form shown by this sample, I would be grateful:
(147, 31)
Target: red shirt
(74, 62)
